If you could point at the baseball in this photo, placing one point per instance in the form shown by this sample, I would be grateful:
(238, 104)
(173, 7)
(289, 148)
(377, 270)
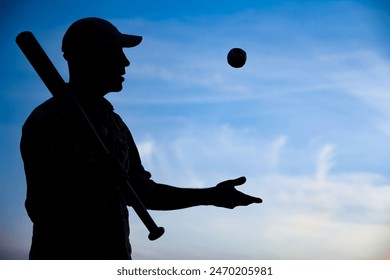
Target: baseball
(236, 57)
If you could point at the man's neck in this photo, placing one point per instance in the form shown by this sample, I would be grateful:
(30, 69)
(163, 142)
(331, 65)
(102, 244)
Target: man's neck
(85, 92)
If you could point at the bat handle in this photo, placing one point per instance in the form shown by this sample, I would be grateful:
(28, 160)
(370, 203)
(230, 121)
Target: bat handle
(155, 231)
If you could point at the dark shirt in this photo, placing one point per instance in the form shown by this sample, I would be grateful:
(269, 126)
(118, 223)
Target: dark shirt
(73, 198)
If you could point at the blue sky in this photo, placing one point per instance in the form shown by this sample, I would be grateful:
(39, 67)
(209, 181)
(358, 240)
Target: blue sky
(306, 120)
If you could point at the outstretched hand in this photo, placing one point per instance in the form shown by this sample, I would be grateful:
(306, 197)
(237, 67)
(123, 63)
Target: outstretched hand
(225, 194)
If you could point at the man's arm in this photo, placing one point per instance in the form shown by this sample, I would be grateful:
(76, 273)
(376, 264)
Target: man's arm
(157, 196)
(164, 197)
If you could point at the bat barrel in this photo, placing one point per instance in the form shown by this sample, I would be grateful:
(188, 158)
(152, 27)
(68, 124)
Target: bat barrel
(41, 63)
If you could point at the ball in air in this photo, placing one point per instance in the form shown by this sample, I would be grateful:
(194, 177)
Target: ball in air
(236, 57)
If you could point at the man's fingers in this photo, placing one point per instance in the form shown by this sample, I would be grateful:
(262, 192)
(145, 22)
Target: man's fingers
(248, 199)
(245, 198)
(233, 182)
(230, 197)
(239, 181)
(257, 199)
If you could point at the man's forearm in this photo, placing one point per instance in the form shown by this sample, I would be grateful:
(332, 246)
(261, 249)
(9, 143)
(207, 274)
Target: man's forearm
(165, 197)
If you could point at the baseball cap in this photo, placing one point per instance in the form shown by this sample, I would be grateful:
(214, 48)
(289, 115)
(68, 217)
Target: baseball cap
(91, 33)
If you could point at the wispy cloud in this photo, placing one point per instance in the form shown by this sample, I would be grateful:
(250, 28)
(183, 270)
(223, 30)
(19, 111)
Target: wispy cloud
(324, 163)
(275, 150)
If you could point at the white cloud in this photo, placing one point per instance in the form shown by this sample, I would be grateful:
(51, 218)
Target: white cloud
(146, 149)
(324, 163)
(275, 150)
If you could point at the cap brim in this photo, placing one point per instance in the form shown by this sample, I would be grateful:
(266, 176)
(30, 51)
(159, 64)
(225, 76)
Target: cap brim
(129, 41)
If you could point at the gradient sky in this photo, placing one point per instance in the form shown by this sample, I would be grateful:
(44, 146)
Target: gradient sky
(307, 121)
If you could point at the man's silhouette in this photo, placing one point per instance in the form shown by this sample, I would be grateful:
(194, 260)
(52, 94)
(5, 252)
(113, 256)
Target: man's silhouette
(74, 197)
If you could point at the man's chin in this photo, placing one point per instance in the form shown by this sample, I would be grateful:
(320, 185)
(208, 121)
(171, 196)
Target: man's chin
(118, 89)
(115, 88)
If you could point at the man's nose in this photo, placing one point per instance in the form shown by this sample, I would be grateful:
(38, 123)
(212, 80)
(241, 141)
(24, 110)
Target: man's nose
(125, 61)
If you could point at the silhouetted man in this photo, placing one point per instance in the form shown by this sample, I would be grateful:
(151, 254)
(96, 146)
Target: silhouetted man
(74, 197)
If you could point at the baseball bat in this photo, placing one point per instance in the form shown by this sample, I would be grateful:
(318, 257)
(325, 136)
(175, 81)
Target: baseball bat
(57, 87)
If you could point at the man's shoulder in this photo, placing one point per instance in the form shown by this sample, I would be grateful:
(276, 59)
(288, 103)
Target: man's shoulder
(43, 113)
(47, 107)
